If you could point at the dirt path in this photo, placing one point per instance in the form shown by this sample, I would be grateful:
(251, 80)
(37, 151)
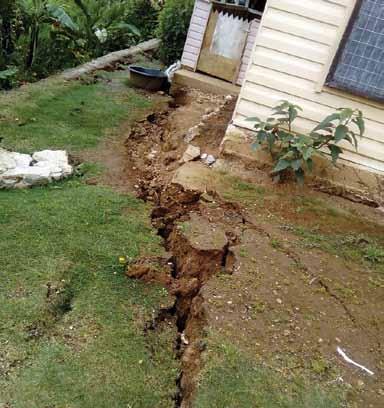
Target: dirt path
(286, 274)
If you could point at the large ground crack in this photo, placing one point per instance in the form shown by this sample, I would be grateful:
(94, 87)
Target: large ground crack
(198, 250)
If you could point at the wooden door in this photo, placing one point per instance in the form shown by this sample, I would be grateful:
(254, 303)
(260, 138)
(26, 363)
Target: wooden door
(223, 45)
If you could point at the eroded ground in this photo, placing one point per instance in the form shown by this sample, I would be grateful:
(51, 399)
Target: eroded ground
(255, 287)
(268, 279)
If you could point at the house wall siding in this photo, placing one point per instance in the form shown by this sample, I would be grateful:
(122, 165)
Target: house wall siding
(196, 33)
(291, 56)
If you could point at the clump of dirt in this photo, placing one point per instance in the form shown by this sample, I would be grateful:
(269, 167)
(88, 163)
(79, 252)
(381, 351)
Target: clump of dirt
(151, 270)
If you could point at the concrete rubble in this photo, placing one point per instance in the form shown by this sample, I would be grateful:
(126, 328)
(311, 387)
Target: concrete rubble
(192, 153)
(19, 170)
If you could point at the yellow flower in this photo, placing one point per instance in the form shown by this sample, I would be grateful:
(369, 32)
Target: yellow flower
(122, 260)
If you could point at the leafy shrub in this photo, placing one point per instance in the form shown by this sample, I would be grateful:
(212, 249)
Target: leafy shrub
(293, 151)
(8, 78)
(173, 27)
(44, 36)
(144, 15)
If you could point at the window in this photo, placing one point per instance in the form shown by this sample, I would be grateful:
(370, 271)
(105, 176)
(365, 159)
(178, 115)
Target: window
(359, 63)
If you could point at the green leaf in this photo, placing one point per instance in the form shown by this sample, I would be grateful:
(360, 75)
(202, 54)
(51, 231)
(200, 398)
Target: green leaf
(308, 152)
(279, 112)
(309, 163)
(340, 133)
(281, 165)
(127, 27)
(360, 124)
(271, 138)
(59, 14)
(327, 121)
(289, 156)
(296, 164)
(345, 113)
(285, 136)
(253, 119)
(8, 73)
(335, 152)
(354, 139)
(292, 114)
(262, 136)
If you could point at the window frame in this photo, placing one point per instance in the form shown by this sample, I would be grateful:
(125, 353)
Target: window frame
(344, 29)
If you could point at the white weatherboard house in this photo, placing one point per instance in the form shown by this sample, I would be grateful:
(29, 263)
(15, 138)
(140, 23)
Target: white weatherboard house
(319, 54)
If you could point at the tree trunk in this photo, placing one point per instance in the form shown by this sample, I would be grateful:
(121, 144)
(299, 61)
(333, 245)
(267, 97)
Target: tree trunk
(7, 13)
(33, 42)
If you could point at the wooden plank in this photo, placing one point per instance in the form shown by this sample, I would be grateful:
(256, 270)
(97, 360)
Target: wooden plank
(197, 28)
(299, 26)
(293, 45)
(191, 50)
(288, 64)
(198, 36)
(193, 43)
(189, 56)
(203, 5)
(315, 10)
(303, 88)
(196, 33)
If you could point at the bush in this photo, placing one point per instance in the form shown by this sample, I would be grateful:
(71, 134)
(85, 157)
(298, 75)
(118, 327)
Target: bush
(144, 15)
(292, 151)
(173, 27)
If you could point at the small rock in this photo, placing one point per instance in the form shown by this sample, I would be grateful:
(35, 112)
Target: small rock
(209, 160)
(184, 340)
(279, 301)
(27, 176)
(192, 153)
(229, 98)
(207, 198)
(192, 133)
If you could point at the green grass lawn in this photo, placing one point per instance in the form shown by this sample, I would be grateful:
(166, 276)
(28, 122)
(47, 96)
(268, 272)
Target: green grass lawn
(71, 323)
(66, 115)
(232, 379)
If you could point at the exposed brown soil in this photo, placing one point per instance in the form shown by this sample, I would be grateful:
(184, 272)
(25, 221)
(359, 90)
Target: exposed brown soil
(236, 266)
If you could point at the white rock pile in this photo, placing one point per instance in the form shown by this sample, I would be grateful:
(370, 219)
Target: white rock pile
(23, 170)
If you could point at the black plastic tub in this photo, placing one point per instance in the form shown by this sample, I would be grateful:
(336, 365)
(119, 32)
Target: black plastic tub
(147, 78)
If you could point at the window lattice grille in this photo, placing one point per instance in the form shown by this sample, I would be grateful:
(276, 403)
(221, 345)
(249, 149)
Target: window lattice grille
(359, 65)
